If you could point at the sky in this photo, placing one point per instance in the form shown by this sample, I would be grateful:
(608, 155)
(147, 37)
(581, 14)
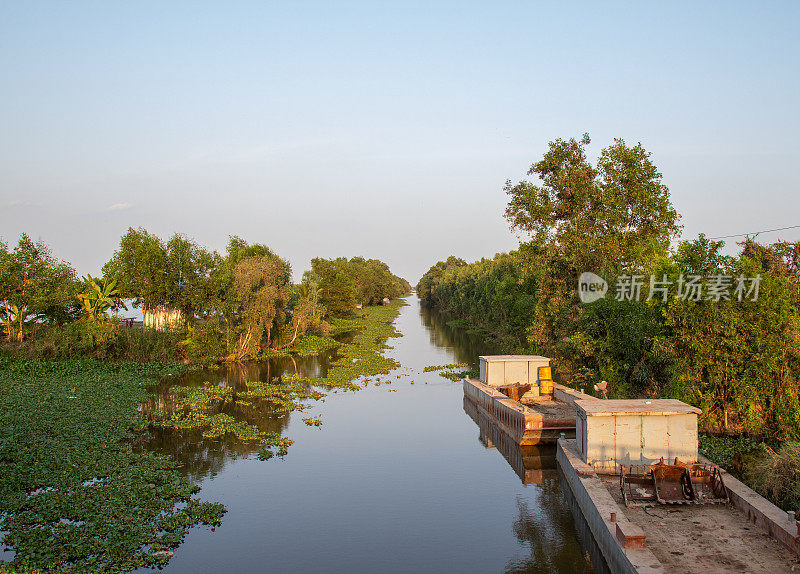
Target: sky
(380, 129)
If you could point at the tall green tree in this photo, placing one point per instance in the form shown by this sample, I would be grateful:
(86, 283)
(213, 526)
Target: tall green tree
(33, 286)
(261, 291)
(609, 217)
(347, 282)
(140, 267)
(163, 277)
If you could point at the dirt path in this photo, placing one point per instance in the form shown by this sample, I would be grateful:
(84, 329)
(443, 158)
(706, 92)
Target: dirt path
(706, 539)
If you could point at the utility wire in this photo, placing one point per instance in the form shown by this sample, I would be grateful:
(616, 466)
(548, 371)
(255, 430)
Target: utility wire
(756, 232)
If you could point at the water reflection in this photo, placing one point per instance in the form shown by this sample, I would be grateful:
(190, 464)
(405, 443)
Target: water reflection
(547, 530)
(467, 347)
(533, 464)
(545, 525)
(201, 457)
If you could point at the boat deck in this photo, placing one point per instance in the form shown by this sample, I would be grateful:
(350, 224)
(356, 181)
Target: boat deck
(530, 423)
(705, 538)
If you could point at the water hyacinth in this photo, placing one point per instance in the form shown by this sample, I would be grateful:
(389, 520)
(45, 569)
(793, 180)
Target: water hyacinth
(73, 496)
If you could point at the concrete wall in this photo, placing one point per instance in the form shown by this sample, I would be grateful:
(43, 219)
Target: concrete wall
(162, 318)
(568, 395)
(596, 505)
(606, 442)
(507, 369)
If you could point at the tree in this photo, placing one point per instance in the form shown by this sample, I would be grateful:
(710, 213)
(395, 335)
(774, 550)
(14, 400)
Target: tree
(306, 310)
(345, 283)
(188, 274)
(33, 285)
(605, 218)
(261, 290)
(739, 358)
(171, 281)
(140, 267)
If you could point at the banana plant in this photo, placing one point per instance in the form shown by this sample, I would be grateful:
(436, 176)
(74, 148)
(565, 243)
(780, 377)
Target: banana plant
(100, 296)
(14, 320)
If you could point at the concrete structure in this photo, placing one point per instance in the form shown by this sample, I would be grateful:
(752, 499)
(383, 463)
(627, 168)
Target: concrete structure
(527, 425)
(611, 433)
(621, 542)
(778, 524)
(497, 370)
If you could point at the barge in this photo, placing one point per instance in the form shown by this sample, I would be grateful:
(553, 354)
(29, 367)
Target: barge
(517, 393)
(632, 470)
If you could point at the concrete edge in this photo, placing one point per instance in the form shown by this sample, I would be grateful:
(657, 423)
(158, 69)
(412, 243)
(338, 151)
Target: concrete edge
(596, 505)
(761, 511)
(568, 395)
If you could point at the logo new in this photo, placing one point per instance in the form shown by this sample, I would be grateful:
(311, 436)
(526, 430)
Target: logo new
(591, 287)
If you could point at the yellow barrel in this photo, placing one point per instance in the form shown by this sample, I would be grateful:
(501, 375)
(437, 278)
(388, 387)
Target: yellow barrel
(546, 386)
(545, 373)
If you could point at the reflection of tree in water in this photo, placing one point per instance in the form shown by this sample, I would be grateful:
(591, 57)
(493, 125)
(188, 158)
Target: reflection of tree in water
(467, 347)
(549, 533)
(201, 457)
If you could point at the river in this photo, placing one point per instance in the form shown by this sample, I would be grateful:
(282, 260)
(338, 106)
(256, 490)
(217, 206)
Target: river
(399, 478)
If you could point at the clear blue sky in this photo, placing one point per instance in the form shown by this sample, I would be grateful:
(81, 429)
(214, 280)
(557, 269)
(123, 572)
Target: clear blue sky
(379, 129)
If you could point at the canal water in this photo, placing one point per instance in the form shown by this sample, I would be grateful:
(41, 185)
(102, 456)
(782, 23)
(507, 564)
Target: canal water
(399, 478)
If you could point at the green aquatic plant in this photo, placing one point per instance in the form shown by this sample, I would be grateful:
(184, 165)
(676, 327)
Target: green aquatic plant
(73, 495)
(363, 356)
(449, 367)
(310, 345)
(204, 408)
(213, 409)
(454, 375)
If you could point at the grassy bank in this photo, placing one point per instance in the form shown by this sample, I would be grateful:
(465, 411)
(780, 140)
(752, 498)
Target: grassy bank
(770, 468)
(107, 341)
(72, 494)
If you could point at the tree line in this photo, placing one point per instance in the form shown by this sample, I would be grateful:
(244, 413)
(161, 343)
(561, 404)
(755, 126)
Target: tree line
(238, 305)
(721, 332)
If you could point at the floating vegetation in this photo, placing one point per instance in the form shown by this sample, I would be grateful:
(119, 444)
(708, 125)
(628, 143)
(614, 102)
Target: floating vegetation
(363, 356)
(213, 409)
(73, 495)
(267, 354)
(310, 345)
(207, 409)
(454, 375)
(340, 325)
(442, 367)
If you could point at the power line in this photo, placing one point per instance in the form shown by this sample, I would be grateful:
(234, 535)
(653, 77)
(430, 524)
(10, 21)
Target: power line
(756, 232)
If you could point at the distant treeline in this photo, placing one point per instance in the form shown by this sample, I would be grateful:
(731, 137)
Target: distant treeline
(720, 332)
(199, 303)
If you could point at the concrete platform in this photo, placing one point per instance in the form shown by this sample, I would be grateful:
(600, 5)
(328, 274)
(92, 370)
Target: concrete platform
(746, 535)
(709, 538)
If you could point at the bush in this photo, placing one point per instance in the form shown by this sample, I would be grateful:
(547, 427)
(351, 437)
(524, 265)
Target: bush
(775, 473)
(149, 345)
(204, 340)
(103, 340)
